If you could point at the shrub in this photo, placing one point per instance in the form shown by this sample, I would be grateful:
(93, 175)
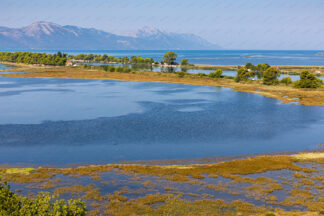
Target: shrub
(119, 69)
(184, 62)
(270, 76)
(244, 74)
(286, 80)
(216, 74)
(181, 74)
(201, 74)
(127, 70)
(308, 80)
(43, 204)
(112, 69)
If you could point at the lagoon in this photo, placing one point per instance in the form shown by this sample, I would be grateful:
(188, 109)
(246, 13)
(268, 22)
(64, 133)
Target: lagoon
(67, 121)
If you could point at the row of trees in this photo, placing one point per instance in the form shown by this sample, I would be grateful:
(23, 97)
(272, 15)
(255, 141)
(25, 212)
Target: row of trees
(111, 59)
(270, 76)
(34, 58)
(169, 58)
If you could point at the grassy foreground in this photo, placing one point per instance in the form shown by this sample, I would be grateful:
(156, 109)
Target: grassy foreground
(287, 94)
(279, 184)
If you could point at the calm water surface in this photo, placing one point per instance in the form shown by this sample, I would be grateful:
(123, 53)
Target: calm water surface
(64, 121)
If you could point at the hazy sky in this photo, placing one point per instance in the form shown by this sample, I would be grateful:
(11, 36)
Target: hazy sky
(232, 24)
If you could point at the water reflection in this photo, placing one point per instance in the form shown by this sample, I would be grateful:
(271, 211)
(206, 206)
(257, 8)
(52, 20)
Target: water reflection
(93, 121)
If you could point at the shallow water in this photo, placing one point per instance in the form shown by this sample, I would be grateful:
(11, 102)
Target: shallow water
(64, 121)
(2, 67)
(231, 73)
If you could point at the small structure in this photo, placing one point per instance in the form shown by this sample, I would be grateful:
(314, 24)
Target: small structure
(317, 72)
(68, 63)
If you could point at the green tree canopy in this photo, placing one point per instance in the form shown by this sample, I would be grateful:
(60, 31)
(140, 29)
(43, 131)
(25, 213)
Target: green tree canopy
(170, 58)
(260, 68)
(216, 74)
(250, 66)
(184, 62)
(270, 76)
(243, 74)
(308, 80)
(286, 80)
(34, 58)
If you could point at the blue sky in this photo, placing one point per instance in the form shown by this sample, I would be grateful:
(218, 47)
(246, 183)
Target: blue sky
(232, 24)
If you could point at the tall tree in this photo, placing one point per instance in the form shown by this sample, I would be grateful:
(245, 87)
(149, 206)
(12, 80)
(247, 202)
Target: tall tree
(270, 76)
(170, 58)
(308, 80)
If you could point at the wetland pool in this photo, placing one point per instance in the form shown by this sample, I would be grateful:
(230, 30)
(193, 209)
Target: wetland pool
(69, 121)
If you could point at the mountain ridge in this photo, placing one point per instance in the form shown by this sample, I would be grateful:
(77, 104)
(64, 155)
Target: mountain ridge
(48, 35)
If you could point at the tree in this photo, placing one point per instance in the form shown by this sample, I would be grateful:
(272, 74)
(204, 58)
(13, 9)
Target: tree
(169, 58)
(216, 74)
(184, 62)
(243, 74)
(286, 80)
(260, 68)
(308, 80)
(270, 76)
(250, 66)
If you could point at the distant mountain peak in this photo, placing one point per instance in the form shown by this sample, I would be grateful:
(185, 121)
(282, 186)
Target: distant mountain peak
(48, 35)
(147, 31)
(41, 27)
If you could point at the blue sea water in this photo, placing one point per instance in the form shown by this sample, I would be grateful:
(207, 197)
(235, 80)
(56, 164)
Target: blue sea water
(65, 121)
(218, 57)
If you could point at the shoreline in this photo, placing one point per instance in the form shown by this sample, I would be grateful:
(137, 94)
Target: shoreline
(280, 183)
(286, 94)
(285, 69)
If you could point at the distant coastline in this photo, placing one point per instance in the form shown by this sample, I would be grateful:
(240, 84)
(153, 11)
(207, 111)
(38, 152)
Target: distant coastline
(209, 57)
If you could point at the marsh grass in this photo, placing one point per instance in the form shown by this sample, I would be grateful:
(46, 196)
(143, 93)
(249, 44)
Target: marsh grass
(192, 188)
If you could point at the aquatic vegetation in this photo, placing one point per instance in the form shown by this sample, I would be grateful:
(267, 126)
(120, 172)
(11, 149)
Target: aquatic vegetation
(192, 189)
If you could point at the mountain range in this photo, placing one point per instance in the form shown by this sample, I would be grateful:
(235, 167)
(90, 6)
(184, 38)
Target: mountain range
(47, 35)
